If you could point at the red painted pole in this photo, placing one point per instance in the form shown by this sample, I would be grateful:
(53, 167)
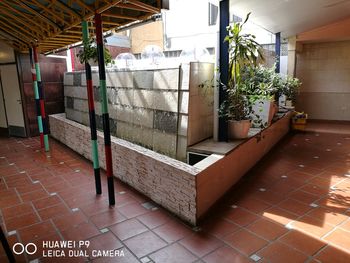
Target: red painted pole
(104, 107)
(37, 98)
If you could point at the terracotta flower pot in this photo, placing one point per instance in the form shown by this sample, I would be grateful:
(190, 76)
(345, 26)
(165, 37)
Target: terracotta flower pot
(238, 129)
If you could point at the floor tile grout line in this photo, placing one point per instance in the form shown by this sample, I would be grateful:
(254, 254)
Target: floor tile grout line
(36, 211)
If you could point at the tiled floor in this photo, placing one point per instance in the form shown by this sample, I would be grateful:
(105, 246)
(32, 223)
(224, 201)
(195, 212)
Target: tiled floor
(293, 207)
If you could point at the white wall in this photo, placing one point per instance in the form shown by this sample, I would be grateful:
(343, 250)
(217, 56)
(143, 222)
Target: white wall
(186, 24)
(323, 68)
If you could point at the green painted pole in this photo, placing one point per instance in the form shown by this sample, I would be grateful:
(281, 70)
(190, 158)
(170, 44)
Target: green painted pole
(41, 99)
(37, 98)
(104, 106)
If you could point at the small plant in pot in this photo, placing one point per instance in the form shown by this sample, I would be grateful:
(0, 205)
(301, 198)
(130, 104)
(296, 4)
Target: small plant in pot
(89, 53)
(291, 90)
(237, 109)
(243, 51)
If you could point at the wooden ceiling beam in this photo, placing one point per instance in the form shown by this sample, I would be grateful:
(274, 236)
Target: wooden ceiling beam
(119, 16)
(19, 29)
(130, 7)
(81, 3)
(110, 23)
(64, 28)
(47, 10)
(69, 10)
(108, 6)
(68, 37)
(33, 11)
(6, 26)
(21, 16)
(17, 38)
(16, 20)
(146, 7)
(72, 31)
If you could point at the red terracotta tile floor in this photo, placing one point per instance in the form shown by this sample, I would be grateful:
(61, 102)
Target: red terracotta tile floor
(294, 206)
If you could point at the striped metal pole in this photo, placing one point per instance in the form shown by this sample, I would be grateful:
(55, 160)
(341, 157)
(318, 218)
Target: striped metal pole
(92, 117)
(41, 98)
(104, 106)
(37, 99)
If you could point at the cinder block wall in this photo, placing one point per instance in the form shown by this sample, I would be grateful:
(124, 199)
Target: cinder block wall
(161, 109)
(323, 68)
(168, 182)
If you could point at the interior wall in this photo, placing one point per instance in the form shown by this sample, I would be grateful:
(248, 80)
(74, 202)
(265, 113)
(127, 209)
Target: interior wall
(13, 101)
(6, 56)
(335, 31)
(323, 68)
(3, 123)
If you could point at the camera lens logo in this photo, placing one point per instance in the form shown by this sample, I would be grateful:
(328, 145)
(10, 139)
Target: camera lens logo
(19, 248)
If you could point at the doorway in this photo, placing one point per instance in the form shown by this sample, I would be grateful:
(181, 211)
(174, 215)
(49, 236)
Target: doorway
(11, 100)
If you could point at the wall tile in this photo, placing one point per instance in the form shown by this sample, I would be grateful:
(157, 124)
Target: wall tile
(165, 121)
(143, 79)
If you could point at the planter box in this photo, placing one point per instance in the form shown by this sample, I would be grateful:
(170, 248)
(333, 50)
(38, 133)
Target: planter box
(185, 190)
(265, 110)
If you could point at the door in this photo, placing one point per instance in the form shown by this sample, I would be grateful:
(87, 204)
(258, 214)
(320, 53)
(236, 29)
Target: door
(13, 101)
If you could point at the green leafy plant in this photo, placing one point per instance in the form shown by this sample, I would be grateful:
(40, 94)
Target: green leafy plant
(262, 82)
(237, 106)
(244, 50)
(291, 88)
(90, 52)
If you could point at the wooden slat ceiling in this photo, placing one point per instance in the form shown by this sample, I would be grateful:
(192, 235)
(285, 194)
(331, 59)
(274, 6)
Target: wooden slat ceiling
(55, 24)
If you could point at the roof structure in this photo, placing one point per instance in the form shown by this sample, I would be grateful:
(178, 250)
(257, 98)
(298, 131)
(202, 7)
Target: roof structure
(55, 24)
(292, 17)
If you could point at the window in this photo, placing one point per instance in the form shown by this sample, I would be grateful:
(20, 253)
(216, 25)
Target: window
(236, 19)
(212, 14)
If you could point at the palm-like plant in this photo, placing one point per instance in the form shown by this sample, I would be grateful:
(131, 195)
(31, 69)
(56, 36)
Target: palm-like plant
(244, 50)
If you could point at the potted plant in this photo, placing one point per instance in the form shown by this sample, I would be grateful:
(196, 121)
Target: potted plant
(243, 51)
(237, 109)
(89, 53)
(290, 90)
(263, 85)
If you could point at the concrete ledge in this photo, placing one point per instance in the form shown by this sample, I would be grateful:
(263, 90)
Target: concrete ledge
(213, 182)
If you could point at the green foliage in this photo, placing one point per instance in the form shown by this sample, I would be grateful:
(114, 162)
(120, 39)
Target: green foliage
(291, 88)
(261, 82)
(243, 50)
(248, 81)
(237, 106)
(90, 52)
(264, 83)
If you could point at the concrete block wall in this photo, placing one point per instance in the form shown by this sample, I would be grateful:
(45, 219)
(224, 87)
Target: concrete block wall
(148, 107)
(168, 182)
